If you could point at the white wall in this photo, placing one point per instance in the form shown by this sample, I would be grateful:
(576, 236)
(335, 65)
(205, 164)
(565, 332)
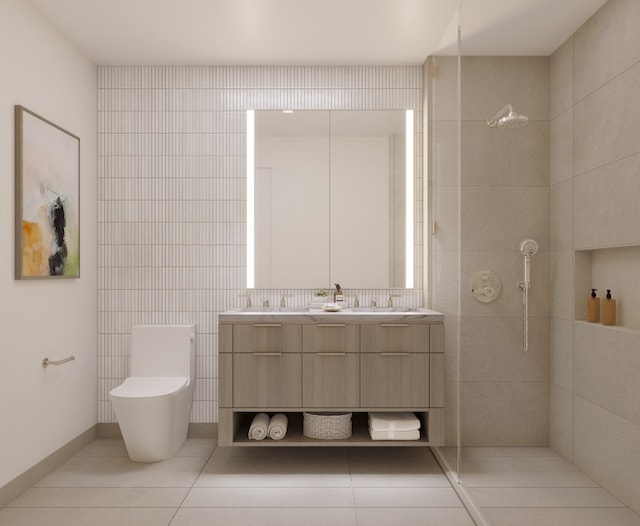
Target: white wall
(41, 410)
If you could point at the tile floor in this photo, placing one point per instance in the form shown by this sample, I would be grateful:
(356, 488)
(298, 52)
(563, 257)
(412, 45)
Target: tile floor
(209, 485)
(526, 486)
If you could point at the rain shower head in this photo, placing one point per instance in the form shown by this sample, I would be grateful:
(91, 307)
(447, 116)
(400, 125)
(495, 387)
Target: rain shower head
(528, 247)
(507, 118)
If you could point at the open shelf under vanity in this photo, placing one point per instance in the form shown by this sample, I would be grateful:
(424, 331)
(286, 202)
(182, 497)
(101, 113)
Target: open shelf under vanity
(295, 437)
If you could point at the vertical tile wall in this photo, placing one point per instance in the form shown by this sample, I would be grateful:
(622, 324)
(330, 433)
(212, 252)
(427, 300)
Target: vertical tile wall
(171, 208)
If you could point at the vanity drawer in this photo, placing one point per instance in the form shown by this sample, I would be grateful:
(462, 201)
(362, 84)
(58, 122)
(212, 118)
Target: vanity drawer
(330, 337)
(267, 338)
(394, 380)
(267, 380)
(394, 337)
(330, 379)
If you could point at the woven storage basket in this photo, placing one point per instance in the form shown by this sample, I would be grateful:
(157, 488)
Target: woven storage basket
(327, 426)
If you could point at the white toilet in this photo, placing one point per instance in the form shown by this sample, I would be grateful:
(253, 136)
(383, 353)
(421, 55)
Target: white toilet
(153, 405)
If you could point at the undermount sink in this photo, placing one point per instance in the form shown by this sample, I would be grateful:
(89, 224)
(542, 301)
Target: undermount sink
(274, 309)
(383, 309)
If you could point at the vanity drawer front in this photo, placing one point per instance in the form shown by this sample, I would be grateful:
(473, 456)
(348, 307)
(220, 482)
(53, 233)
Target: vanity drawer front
(330, 337)
(330, 379)
(267, 337)
(394, 337)
(394, 380)
(267, 380)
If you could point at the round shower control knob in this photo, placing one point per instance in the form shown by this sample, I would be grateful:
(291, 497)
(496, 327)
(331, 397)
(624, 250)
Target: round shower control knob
(485, 286)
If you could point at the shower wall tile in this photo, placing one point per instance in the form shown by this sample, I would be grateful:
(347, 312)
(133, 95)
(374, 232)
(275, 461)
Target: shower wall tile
(594, 370)
(561, 346)
(505, 413)
(561, 147)
(606, 212)
(491, 349)
(606, 123)
(527, 161)
(561, 421)
(607, 368)
(561, 215)
(493, 218)
(561, 284)
(606, 449)
(443, 155)
(606, 45)
(171, 195)
(504, 199)
(561, 79)
(489, 83)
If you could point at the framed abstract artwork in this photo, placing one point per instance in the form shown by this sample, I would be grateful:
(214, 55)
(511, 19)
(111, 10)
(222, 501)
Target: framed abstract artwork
(47, 199)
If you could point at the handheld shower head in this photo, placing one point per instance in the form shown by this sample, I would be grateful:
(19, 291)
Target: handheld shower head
(528, 247)
(508, 118)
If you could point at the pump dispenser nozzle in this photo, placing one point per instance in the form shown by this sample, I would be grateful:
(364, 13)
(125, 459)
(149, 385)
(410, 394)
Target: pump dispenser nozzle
(609, 310)
(593, 307)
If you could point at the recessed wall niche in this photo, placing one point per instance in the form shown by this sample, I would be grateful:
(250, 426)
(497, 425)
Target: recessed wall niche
(617, 269)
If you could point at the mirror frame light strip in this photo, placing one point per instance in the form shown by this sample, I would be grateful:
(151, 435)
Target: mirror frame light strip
(409, 199)
(250, 199)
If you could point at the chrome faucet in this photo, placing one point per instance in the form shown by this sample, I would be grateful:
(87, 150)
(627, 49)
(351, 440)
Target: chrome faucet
(265, 303)
(248, 296)
(374, 303)
(391, 296)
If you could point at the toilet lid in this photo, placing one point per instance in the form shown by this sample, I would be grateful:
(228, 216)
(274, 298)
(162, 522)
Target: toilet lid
(146, 387)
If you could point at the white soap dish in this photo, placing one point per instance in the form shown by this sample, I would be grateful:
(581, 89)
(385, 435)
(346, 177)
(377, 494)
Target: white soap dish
(331, 307)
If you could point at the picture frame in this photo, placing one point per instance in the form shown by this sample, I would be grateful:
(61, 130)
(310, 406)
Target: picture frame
(47, 205)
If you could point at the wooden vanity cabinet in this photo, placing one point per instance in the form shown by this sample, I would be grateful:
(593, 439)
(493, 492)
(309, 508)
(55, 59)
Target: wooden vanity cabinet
(266, 365)
(394, 365)
(307, 365)
(330, 365)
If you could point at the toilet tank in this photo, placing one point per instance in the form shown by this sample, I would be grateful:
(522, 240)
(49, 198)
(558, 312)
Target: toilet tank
(163, 350)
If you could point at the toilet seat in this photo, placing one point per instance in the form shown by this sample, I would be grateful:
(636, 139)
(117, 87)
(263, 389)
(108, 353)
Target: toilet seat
(149, 387)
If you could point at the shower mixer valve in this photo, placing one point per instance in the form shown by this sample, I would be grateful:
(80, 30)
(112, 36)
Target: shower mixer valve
(485, 286)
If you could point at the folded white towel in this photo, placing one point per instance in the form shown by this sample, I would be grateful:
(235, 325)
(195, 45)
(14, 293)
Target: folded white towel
(395, 435)
(393, 422)
(278, 426)
(259, 427)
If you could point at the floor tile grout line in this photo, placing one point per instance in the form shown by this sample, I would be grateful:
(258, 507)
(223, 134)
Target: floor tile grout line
(353, 494)
(204, 465)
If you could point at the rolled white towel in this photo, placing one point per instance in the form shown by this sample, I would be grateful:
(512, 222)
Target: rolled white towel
(259, 427)
(278, 426)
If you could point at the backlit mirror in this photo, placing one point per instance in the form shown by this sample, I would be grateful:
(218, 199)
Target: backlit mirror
(328, 199)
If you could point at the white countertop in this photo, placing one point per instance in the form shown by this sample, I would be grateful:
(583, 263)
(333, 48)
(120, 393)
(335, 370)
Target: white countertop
(318, 315)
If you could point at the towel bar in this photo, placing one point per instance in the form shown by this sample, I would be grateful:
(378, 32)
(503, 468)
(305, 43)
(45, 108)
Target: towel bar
(46, 362)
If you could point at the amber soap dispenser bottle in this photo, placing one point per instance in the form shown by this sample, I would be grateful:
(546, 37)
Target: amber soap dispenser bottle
(593, 307)
(609, 310)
